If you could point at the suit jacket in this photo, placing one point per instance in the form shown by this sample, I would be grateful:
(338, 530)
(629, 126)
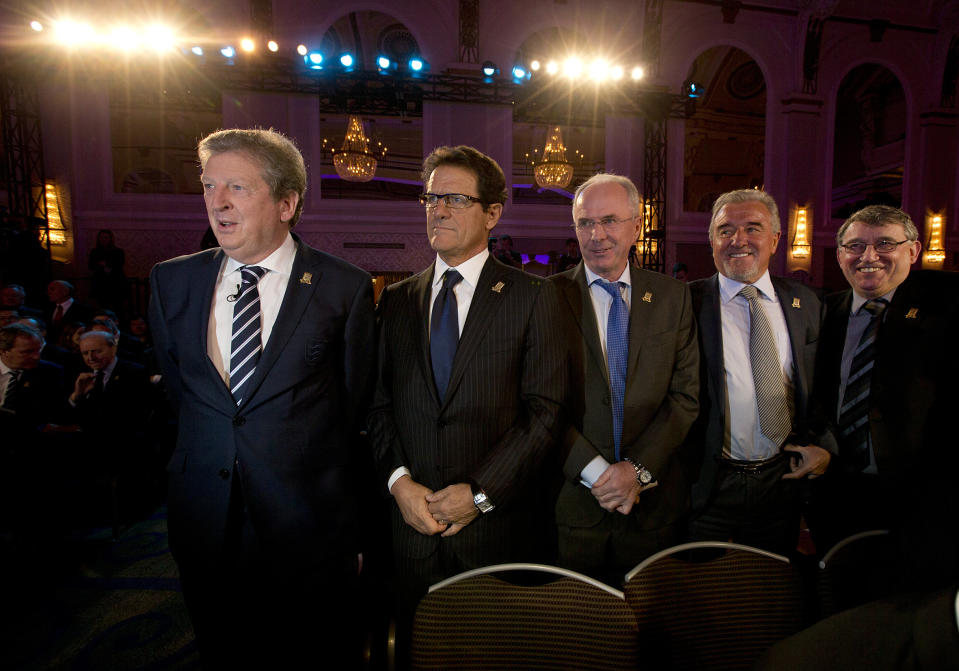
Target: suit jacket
(40, 400)
(662, 381)
(804, 313)
(77, 312)
(498, 422)
(294, 439)
(123, 406)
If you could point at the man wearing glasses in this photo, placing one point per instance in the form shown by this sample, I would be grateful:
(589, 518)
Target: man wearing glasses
(887, 376)
(757, 337)
(471, 374)
(634, 367)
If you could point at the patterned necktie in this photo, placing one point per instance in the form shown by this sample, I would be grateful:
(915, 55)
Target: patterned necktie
(854, 413)
(444, 332)
(617, 350)
(774, 420)
(245, 346)
(13, 385)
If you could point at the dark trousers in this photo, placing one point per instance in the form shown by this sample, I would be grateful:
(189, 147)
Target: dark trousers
(752, 506)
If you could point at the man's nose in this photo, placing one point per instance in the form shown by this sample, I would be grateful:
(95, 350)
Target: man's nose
(869, 253)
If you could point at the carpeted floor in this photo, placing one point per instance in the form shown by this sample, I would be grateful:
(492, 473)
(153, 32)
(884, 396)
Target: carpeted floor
(92, 603)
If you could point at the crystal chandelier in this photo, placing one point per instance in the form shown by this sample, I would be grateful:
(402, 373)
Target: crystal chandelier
(353, 161)
(554, 171)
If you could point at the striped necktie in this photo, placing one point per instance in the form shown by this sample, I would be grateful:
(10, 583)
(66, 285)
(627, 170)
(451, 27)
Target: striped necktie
(617, 351)
(245, 345)
(854, 413)
(13, 385)
(774, 419)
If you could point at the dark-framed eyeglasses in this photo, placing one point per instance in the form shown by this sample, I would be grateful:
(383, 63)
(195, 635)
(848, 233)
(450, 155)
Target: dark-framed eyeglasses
(454, 201)
(881, 246)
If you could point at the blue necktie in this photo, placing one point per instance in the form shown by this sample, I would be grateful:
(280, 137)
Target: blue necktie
(617, 350)
(444, 332)
(246, 344)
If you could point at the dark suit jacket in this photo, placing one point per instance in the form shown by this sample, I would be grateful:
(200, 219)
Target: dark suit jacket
(295, 437)
(804, 313)
(123, 406)
(912, 404)
(660, 400)
(40, 400)
(498, 422)
(78, 312)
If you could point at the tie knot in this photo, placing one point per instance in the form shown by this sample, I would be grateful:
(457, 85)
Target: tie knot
(749, 292)
(15, 374)
(612, 288)
(876, 306)
(252, 274)
(451, 278)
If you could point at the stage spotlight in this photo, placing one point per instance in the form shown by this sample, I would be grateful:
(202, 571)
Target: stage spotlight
(383, 63)
(534, 66)
(159, 38)
(489, 68)
(36, 25)
(598, 70)
(573, 67)
(273, 46)
(228, 52)
(314, 60)
(346, 60)
(247, 44)
(519, 72)
(417, 64)
(692, 90)
(552, 67)
(617, 72)
(197, 50)
(637, 73)
(301, 49)
(73, 34)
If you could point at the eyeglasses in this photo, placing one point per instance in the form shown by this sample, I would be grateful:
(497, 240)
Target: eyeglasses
(605, 222)
(881, 247)
(454, 201)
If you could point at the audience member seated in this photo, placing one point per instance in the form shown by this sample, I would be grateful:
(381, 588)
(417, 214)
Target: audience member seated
(8, 316)
(51, 351)
(13, 297)
(63, 307)
(69, 341)
(128, 347)
(571, 257)
(504, 252)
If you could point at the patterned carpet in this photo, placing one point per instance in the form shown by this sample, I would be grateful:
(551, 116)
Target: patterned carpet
(92, 603)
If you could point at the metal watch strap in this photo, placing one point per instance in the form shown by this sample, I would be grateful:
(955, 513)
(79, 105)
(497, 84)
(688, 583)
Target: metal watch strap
(643, 476)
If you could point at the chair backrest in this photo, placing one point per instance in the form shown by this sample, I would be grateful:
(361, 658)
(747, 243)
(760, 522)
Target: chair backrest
(858, 569)
(477, 620)
(713, 605)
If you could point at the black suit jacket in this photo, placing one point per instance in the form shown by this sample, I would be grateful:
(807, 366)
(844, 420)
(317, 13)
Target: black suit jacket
(123, 406)
(40, 399)
(77, 312)
(804, 313)
(294, 439)
(660, 400)
(498, 422)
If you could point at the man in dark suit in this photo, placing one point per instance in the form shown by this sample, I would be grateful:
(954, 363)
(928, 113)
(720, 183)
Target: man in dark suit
(622, 439)
(470, 378)
(63, 308)
(887, 377)
(31, 390)
(757, 338)
(264, 344)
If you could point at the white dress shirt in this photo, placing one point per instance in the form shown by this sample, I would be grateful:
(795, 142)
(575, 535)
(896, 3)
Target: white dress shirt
(745, 439)
(463, 290)
(272, 288)
(602, 302)
(5, 376)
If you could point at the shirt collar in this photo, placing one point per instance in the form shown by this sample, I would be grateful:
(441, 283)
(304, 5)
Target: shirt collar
(66, 304)
(730, 288)
(4, 368)
(280, 261)
(591, 277)
(469, 269)
(108, 369)
(858, 301)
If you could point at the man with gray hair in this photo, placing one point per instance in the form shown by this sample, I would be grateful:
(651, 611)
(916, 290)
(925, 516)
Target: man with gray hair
(887, 374)
(634, 377)
(757, 339)
(264, 344)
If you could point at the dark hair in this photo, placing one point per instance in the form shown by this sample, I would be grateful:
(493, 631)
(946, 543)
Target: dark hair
(10, 333)
(282, 163)
(104, 323)
(112, 243)
(490, 180)
(879, 215)
(679, 266)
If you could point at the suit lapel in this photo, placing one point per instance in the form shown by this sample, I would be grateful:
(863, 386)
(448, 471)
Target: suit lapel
(422, 290)
(796, 326)
(577, 294)
(207, 288)
(710, 328)
(641, 302)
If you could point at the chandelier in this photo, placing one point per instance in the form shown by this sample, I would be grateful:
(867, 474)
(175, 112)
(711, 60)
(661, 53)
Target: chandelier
(554, 171)
(353, 161)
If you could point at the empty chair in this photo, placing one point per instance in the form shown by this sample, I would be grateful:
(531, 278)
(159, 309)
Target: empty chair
(523, 616)
(856, 570)
(713, 605)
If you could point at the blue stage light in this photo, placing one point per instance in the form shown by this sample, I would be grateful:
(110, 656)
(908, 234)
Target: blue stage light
(519, 72)
(383, 63)
(228, 52)
(197, 50)
(346, 60)
(314, 60)
(489, 68)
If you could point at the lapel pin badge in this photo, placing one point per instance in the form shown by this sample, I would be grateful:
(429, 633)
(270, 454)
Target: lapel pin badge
(307, 278)
(498, 287)
(913, 313)
(796, 302)
(648, 297)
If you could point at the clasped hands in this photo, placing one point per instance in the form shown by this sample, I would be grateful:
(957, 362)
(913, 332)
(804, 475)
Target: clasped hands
(617, 488)
(443, 512)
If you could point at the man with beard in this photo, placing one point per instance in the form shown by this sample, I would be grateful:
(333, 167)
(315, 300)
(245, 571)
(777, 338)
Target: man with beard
(757, 337)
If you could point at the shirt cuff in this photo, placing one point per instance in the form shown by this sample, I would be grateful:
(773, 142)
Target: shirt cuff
(397, 474)
(595, 468)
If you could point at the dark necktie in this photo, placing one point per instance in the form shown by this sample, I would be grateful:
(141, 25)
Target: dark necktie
(617, 352)
(58, 315)
(444, 331)
(246, 344)
(854, 413)
(13, 386)
(774, 420)
(98, 383)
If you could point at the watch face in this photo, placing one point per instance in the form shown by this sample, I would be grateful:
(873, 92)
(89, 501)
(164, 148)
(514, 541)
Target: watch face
(645, 477)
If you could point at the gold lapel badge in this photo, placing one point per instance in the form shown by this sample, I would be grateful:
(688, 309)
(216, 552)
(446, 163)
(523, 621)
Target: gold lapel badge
(498, 287)
(913, 313)
(648, 297)
(307, 278)
(796, 302)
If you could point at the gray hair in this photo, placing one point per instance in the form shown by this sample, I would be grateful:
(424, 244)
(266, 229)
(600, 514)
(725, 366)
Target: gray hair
(632, 193)
(746, 196)
(106, 335)
(879, 215)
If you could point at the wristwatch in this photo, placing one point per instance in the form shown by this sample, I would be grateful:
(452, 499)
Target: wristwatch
(643, 476)
(480, 500)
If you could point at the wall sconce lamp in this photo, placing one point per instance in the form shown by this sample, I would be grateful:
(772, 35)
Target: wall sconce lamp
(935, 253)
(800, 246)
